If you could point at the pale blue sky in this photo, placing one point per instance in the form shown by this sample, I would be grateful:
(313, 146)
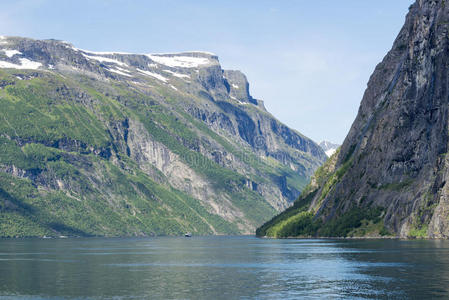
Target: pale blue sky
(308, 60)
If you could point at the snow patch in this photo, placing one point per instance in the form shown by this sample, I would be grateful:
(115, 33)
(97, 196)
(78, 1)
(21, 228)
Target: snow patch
(330, 152)
(329, 148)
(123, 70)
(120, 71)
(179, 61)
(155, 75)
(11, 53)
(29, 64)
(173, 87)
(240, 102)
(69, 45)
(177, 74)
(105, 59)
(24, 64)
(235, 86)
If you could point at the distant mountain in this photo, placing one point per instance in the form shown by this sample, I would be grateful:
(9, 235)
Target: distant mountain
(329, 148)
(390, 176)
(109, 144)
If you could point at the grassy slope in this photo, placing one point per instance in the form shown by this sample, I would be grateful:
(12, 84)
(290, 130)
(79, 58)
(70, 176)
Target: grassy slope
(32, 113)
(82, 192)
(300, 221)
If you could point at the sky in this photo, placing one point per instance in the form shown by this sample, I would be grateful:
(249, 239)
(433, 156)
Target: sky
(309, 60)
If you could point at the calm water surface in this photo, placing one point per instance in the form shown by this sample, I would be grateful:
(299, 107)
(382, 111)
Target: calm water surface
(222, 268)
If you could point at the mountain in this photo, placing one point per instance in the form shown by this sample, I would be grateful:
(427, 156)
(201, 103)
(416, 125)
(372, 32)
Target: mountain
(390, 176)
(115, 144)
(329, 148)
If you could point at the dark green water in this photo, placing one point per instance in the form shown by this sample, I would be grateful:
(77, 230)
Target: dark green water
(222, 268)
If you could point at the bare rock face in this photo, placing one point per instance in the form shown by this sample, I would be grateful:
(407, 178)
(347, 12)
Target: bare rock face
(394, 159)
(398, 143)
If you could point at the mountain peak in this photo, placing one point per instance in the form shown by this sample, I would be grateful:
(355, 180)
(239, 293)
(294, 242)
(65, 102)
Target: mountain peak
(173, 69)
(61, 52)
(329, 147)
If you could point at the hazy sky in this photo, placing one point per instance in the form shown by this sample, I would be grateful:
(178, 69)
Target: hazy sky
(309, 60)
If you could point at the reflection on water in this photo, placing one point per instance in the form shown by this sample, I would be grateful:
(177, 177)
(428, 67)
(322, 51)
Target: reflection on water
(222, 268)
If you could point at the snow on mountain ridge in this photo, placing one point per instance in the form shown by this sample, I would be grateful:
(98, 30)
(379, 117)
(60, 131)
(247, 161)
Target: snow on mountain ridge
(24, 64)
(329, 147)
(11, 53)
(179, 61)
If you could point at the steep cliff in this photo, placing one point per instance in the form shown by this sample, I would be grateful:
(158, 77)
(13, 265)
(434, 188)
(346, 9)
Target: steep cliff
(127, 144)
(390, 176)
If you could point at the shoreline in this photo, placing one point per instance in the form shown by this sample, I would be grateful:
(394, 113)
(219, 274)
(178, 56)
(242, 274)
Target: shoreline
(354, 238)
(243, 235)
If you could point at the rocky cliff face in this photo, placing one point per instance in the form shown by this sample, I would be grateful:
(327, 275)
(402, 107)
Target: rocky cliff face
(391, 175)
(128, 144)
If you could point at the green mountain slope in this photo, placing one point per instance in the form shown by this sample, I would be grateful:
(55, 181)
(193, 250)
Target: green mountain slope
(122, 144)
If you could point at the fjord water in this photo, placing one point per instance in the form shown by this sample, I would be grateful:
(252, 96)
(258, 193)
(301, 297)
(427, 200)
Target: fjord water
(222, 268)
